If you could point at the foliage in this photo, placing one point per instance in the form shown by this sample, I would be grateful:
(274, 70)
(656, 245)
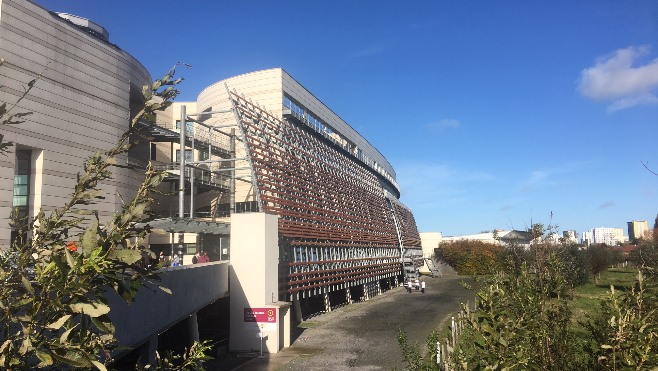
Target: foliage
(470, 257)
(8, 116)
(521, 325)
(600, 259)
(412, 356)
(646, 255)
(626, 329)
(53, 309)
(523, 321)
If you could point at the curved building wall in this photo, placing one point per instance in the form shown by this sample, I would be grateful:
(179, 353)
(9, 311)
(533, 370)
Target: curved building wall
(268, 88)
(81, 104)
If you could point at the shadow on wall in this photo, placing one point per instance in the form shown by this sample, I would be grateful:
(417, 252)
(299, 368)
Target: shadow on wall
(153, 311)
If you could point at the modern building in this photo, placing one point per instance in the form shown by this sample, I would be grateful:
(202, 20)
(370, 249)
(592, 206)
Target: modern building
(637, 229)
(608, 236)
(571, 236)
(267, 177)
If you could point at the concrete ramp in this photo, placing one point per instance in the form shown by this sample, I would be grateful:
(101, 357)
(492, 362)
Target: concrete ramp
(193, 287)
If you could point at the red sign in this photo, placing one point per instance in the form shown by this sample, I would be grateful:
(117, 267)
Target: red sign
(266, 315)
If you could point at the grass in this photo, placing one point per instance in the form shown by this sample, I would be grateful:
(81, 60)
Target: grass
(589, 295)
(307, 325)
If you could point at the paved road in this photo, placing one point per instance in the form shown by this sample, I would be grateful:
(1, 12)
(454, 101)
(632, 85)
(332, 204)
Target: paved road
(363, 336)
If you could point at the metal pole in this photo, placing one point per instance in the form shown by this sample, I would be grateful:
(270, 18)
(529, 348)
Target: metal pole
(232, 184)
(181, 178)
(192, 176)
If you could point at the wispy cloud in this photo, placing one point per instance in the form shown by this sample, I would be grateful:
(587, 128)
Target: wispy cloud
(606, 205)
(649, 193)
(439, 126)
(422, 183)
(366, 52)
(550, 176)
(614, 78)
(506, 208)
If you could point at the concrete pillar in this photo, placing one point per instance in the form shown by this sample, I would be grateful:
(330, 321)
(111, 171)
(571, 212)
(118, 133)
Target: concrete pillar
(327, 303)
(379, 287)
(298, 310)
(396, 281)
(147, 351)
(192, 329)
(254, 277)
(366, 294)
(348, 295)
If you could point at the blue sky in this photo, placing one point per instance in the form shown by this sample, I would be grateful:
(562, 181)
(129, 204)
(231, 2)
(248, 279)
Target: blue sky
(491, 112)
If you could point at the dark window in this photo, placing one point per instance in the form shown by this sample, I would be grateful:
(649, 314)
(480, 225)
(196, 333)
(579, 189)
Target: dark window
(246, 207)
(153, 151)
(21, 199)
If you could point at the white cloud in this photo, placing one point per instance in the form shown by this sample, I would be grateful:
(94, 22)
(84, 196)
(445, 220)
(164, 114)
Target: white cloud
(425, 185)
(547, 176)
(633, 101)
(614, 78)
(439, 126)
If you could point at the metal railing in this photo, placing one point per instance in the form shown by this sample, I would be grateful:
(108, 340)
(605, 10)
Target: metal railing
(205, 177)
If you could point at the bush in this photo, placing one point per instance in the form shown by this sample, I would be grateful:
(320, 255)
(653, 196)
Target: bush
(471, 257)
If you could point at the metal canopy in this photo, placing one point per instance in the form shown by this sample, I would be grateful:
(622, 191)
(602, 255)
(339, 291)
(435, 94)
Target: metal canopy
(188, 225)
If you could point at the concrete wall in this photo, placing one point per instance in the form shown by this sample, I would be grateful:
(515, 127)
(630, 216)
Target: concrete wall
(81, 104)
(430, 241)
(193, 287)
(254, 281)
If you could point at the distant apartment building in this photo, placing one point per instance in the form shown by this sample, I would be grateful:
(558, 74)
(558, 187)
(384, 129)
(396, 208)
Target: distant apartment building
(570, 236)
(587, 238)
(608, 236)
(637, 229)
(619, 236)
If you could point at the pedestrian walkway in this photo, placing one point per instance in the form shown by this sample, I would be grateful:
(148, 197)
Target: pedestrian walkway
(362, 336)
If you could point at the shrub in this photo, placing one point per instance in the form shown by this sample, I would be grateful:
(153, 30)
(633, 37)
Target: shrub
(471, 257)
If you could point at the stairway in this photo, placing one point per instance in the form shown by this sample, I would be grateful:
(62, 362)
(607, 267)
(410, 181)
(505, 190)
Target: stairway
(434, 267)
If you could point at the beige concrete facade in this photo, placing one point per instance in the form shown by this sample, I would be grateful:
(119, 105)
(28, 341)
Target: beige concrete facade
(430, 241)
(254, 281)
(88, 92)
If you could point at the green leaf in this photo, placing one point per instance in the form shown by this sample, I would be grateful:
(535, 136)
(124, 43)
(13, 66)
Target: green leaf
(92, 310)
(73, 358)
(26, 346)
(45, 358)
(65, 336)
(69, 258)
(89, 240)
(605, 346)
(27, 284)
(60, 322)
(127, 256)
(104, 324)
(99, 365)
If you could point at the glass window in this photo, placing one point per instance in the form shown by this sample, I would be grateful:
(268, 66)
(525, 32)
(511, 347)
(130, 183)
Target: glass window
(20, 201)
(189, 126)
(188, 155)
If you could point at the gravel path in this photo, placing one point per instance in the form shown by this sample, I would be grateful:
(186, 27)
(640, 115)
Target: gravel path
(363, 336)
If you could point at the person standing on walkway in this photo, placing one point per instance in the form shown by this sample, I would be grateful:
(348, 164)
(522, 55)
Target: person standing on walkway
(195, 259)
(409, 286)
(417, 284)
(176, 261)
(422, 287)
